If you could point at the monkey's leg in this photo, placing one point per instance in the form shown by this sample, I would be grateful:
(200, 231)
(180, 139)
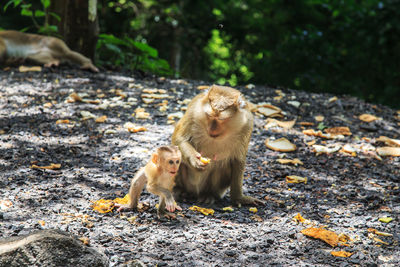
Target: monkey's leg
(63, 52)
(2, 50)
(135, 190)
(237, 196)
(45, 58)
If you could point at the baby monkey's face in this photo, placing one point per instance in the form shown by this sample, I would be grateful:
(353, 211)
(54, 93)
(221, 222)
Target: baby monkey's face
(172, 163)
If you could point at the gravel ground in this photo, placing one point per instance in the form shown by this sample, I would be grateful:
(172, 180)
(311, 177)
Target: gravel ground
(345, 193)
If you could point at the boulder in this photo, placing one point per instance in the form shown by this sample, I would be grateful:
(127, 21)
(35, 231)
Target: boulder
(48, 248)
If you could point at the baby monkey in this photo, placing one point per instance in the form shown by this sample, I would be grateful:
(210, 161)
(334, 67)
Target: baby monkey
(159, 174)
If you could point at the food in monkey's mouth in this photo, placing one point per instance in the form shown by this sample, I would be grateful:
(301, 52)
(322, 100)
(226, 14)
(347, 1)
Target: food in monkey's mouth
(205, 160)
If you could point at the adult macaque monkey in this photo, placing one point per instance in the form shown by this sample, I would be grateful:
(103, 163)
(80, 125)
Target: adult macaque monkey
(49, 51)
(159, 174)
(216, 125)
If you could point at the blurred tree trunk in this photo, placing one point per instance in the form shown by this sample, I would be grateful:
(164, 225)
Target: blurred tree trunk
(79, 25)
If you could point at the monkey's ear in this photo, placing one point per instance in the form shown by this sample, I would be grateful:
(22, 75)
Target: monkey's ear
(240, 101)
(154, 158)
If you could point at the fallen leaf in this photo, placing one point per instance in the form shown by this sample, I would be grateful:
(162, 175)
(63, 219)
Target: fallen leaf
(230, 209)
(256, 218)
(306, 123)
(374, 231)
(205, 211)
(155, 96)
(74, 97)
(281, 145)
(319, 118)
(311, 132)
(294, 103)
(48, 105)
(388, 141)
(290, 161)
(298, 218)
(85, 240)
(103, 205)
(101, 119)
(293, 179)
(52, 166)
(388, 151)
(5, 204)
(203, 87)
(132, 128)
(380, 241)
(176, 115)
(320, 233)
(86, 115)
(253, 209)
(325, 149)
(26, 69)
(140, 113)
(367, 118)
(268, 110)
(283, 124)
(332, 99)
(338, 131)
(62, 121)
(344, 254)
(385, 219)
(42, 223)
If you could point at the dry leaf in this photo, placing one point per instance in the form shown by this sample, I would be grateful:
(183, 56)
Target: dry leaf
(86, 115)
(26, 69)
(42, 223)
(85, 240)
(324, 149)
(269, 110)
(52, 166)
(311, 132)
(103, 205)
(101, 119)
(48, 105)
(5, 204)
(388, 151)
(154, 96)
(349, 149)
(388, 141)
(367, 118)
(205, 211)
(62, 121)
(332, 99)
(283, 124)
(338, 131)
(176, 115)
(294, 179)
(320, 233)
(290, 161)
(374, 231)
(120, 93)
(319, 118)
(298, 218)
(256, 218)
(74, 97)
(134, 128)
(380, 241)
(344, 254)
(141, 113)
(306, 123)
(281, 145)
(203, 87)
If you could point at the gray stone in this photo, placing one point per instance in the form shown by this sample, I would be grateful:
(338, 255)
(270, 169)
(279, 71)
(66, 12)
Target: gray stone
(48, 248)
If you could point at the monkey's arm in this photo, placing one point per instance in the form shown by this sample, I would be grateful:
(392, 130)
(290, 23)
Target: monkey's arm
(165, 195)
(237, 196)
(191, 156)
(135, 190)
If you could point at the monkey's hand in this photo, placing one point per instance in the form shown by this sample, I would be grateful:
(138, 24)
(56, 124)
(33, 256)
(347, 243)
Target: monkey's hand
(171, 205)
(122, 207)
(246, 200)
(196, 162)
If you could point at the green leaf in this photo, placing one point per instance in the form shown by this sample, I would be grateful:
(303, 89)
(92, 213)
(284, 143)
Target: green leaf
(39, 13)
(321, 126)
(385, 219)
(26, 12)
(15, 2)
(45, 3)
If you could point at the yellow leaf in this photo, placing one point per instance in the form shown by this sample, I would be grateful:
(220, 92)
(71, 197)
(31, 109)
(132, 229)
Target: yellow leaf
(62, 121)
(367, 117)
(26, 69)
(42, 223)
(124, 200)
(344, 254)
(298, 218)
(205, 211)
(103, 205)
(101, 119)
(294, 179)
(320, 233)
(205, 160)
(385, 219)
(230, 209)
(380, 241)
(52, 166)
(290, 161)
(372, 230)
(253, 209)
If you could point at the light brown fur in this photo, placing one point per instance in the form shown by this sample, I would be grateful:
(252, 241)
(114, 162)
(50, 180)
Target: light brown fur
(159, 175)
(216, 125)
(50, 51)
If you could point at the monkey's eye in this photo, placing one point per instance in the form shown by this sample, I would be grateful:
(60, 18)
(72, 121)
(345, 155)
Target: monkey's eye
(171, 162)
(177, 162)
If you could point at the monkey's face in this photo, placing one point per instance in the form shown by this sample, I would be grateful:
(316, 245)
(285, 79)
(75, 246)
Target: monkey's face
(218, 121)
(172, 163)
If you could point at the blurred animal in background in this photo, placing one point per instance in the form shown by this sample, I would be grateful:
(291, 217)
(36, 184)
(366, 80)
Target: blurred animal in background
(16, 47)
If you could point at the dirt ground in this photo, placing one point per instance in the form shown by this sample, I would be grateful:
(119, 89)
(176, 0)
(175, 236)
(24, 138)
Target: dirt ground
(350, 190)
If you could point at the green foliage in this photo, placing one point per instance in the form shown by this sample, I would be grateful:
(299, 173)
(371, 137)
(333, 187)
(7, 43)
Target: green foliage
(39, 15)
(130, 54)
